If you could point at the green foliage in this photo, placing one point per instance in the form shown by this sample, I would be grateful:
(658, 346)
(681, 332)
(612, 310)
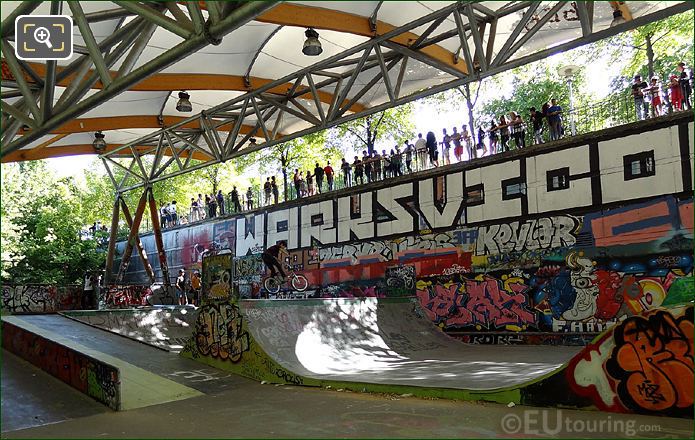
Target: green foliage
(99, 192)
(670, 41)
(41, 223)
(282, 159)
(532, 86)
(392, 126)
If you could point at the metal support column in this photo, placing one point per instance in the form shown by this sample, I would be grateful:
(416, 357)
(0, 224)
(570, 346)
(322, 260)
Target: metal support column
(108, 274)
(132, 236)
(138, 243)
(157, 229)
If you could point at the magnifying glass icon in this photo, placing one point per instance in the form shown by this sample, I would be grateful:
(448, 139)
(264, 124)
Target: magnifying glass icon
(42, 35)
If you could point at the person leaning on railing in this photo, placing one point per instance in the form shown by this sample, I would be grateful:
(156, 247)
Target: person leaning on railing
(408, 152)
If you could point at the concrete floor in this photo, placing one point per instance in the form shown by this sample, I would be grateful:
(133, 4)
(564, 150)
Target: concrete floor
(36, 405)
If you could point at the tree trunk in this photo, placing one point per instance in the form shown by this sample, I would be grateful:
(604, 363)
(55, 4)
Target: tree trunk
(469, 104)
(284, 181)
(650, 55)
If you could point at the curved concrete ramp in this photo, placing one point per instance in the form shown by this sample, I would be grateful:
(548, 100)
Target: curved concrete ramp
(388, 345)
(388, 341)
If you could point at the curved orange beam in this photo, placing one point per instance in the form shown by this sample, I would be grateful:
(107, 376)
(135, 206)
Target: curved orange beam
(165, 82)
(87, 125)
(74, 150)
(105, 123)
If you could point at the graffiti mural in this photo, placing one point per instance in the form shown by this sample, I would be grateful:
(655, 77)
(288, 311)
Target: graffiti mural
(582, 266)
(352, 253)
(219, 332)
(116, 296)
(400, 281)
(217, 276)
(653, 362)
(481, 303)
(645, 365)
(40, 298)
(248, 272)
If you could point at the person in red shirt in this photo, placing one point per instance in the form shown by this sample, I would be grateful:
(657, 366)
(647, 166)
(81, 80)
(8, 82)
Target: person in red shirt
(328, 171)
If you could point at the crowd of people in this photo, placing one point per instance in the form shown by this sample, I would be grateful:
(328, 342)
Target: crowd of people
(429, 152)
(654, 98)
(507, 132)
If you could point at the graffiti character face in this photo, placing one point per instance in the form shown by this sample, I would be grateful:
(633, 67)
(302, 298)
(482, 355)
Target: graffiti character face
(583, 280)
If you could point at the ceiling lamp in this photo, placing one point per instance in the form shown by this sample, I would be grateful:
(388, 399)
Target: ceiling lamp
(312, 45)
(617, 18)
(99, 143)
(184, 104)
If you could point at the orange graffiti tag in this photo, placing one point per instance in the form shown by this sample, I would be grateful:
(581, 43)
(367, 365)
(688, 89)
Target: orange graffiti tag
(653, 362)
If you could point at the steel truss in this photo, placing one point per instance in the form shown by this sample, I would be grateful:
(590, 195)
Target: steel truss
(36, 112)
(378, 62)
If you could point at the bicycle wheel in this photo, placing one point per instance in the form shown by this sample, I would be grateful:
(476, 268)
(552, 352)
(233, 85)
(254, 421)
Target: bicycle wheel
(300, 283)
(272, 285)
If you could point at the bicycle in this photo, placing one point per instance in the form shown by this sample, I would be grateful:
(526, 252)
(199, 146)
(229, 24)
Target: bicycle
(298, 282)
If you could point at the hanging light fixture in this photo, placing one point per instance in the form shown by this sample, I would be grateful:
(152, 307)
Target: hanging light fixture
(99, 143)
(312, 45)
(617, 18)
(184, 104)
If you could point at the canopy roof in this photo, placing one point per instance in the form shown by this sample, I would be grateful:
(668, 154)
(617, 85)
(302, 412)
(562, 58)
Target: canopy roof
(256, 82)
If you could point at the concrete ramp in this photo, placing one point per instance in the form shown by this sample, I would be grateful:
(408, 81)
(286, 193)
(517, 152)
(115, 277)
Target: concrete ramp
(388, 342)
(388, 345)
(165, 327)
(118, 384)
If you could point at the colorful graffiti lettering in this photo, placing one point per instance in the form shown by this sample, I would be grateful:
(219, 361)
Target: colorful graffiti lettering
(115, 296)
(485, 302)
(544, 233)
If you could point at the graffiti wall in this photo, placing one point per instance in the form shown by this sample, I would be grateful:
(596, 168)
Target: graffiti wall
(644, 366)
(247, 274)
(40, 298)
(498, 246)
(88, 375)
(222, 339)
(217, 276)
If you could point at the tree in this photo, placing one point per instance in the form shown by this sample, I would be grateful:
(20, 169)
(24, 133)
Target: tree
(41, 225)
(300, 153)
(649, 50)
(395, 125)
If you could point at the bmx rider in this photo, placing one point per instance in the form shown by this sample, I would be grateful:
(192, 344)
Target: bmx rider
(273, 256)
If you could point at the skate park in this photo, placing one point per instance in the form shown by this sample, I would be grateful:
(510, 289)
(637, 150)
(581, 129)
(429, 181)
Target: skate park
(443, 301)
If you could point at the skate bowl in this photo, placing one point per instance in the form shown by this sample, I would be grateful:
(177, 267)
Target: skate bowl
(642, 365)
(165, 327)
